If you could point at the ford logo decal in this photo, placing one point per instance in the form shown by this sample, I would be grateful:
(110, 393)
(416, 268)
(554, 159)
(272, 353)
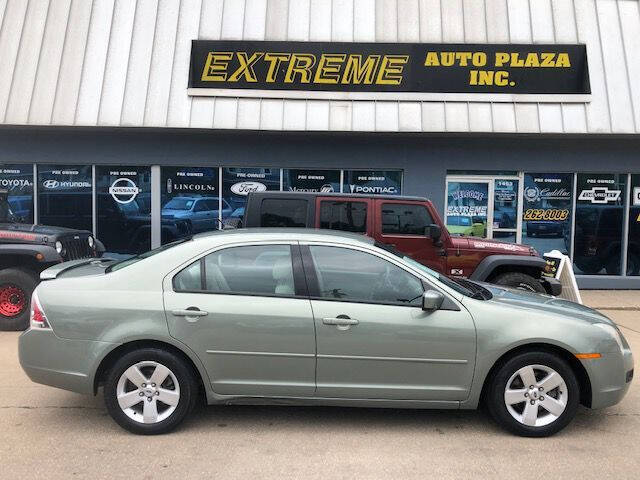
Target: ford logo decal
(245, 188)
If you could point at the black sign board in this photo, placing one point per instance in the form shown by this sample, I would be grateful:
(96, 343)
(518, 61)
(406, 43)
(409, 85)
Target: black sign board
(399, 68)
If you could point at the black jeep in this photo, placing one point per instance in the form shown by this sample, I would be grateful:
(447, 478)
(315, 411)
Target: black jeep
(26, 250)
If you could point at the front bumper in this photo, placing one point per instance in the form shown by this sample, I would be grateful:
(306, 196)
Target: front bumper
(61, 363)
(610, 377)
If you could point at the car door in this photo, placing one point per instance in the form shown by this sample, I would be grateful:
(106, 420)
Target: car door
(202, 216)
(374, 341)
(244, 311)
(402, 225)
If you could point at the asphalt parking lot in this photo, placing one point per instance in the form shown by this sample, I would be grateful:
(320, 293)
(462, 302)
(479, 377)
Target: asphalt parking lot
(50, 433)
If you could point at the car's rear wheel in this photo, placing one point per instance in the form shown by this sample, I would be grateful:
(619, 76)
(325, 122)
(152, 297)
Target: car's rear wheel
(534, 394)
(521, 281)
(16, 287)
(150, 391)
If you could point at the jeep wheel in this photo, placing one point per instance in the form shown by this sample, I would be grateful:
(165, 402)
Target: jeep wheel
(521, 281)
(16, 286)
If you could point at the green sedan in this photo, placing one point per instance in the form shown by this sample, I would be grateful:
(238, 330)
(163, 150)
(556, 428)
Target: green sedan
(312, 317)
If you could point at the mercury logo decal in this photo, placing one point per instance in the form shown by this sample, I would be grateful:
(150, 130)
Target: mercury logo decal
(245, 188)
(124, 190)
(600, 195)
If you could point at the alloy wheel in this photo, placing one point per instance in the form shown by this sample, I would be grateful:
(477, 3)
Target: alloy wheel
(148, 392)
(13, 300)
(536, 395)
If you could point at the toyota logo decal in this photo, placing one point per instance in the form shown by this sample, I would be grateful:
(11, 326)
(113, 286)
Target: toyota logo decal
(124, 190)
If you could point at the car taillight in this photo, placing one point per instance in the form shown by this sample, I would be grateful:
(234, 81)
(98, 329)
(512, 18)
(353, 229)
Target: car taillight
(38, 318)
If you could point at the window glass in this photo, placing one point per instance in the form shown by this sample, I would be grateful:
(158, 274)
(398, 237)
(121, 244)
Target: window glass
(346, 216)
(467, 208)
(633, 253)
(505, 209)
(123, 198)
(188, 279)
(294, 180)
(237, 183)
(546, 212)
(259, 270)
(283, 213)
(190, 201)
(599, 219)
(64, 196)
(16, 193)
(380, 182)
(405, 219)
(351, 275)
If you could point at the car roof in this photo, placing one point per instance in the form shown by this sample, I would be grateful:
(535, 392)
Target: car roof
(338, 194)
(304, 234)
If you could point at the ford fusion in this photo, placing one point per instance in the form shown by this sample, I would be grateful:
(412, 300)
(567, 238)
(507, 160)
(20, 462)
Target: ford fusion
(313, 317)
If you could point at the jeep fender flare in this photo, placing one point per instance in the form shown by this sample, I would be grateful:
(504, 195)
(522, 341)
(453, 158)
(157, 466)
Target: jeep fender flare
(31, 250)
(486, 267)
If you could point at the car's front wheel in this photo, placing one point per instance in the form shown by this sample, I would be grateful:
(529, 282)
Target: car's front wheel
(534, 394)
(150, 391)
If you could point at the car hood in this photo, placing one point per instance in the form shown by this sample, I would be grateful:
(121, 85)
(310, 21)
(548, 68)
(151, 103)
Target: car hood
(493, 246)
(40, 229)
(539, 303)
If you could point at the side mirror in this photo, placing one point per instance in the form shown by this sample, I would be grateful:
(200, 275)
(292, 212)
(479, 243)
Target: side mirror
(432, 300)
(433, 231)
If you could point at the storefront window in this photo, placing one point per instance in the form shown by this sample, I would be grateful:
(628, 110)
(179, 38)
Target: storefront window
(505, 209)
(16, 193)
(599, 219)
(64, 196)
(546, 212)
(311, 180)
(467, 208)
(633, 252)
(123, 198)
(381, 182)
(190, 201)
(237, 183)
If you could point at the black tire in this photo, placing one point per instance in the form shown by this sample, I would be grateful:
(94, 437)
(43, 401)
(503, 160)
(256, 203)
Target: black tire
(521, 281)
(495, 393)
(184, 375)
(25, 282)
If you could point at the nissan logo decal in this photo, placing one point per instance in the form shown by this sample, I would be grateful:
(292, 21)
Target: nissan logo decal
(124, 190)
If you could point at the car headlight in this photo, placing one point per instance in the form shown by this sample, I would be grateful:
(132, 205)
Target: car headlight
(613, 332)
(59, 247)
(90, 241)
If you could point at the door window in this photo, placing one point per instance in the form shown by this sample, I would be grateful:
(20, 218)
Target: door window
(252, 270)
(351, 275)
(283, 213)
(405, 219)
(633, 253)
(345, 216)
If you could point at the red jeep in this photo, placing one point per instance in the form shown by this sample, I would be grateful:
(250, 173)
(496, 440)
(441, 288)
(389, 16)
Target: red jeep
(409, 224)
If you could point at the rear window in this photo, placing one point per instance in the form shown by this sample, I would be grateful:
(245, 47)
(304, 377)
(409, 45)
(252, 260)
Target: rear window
(131, 260)
(345, 216)
(283, 213)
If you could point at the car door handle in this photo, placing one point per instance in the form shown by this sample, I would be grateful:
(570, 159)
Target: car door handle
(189, 312)
(340, 321)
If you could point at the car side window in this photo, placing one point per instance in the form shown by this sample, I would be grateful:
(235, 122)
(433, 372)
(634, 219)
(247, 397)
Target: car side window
(251, 270)
(201, 206)
(343, 215)
(405, 219)
(283, 213)
(352, 275)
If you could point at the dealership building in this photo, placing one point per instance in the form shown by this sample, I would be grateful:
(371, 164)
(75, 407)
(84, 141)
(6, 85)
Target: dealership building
(147, 120)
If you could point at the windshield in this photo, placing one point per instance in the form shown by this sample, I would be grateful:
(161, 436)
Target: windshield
(179, 204)
(131, 260)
